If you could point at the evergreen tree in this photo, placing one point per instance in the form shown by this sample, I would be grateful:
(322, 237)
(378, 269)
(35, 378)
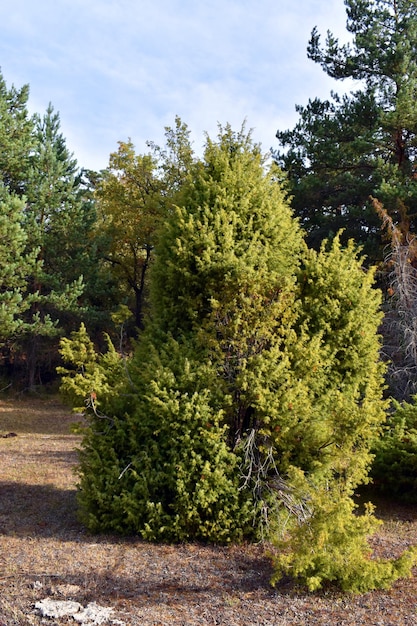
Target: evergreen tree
(225, 267)
(348, 148)
(58, 223)
(324, 426)
(176, 438)
(16, 263)
(16, 137)
(59, 219)
(255, 393)
(394, 468)
(65, 284)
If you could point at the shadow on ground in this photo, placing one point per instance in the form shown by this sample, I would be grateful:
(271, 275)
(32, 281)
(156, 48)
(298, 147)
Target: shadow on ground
(27, 510)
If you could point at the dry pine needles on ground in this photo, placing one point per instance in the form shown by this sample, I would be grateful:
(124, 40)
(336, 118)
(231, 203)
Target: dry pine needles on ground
(45, 553)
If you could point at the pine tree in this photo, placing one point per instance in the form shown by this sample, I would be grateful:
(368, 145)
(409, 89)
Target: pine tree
(37, 169)
(348, 148)
(58, 222)
(16, 264)
(58, 218)
(16, 137)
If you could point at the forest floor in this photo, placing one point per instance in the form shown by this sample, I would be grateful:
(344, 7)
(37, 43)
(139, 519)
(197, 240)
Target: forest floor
(46, 553)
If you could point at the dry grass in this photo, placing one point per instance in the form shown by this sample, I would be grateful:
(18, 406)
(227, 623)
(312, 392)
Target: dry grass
(46, 553)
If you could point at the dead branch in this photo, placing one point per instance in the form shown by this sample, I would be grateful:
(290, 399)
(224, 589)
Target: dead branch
(399, 327)
(270, 490)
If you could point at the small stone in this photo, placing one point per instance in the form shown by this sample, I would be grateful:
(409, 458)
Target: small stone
(58, 608)
(91, 615)
(94, 614)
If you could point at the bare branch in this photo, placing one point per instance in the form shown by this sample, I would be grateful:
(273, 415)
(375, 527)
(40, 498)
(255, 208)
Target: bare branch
(270, 491)
(400, 322)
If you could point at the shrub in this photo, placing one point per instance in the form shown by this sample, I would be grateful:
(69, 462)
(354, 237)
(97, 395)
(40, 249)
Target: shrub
(394, 469)
(255, 392)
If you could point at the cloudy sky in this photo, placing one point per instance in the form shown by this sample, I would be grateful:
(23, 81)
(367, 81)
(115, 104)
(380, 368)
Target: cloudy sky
(119, 69)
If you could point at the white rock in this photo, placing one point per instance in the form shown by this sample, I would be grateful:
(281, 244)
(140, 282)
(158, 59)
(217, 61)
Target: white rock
(57, 608)
(93, 614)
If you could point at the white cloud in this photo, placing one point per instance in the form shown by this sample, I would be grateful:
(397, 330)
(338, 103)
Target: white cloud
(124, 68)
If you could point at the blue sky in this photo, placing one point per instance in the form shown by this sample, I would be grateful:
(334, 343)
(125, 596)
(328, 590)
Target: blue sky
(119, 69)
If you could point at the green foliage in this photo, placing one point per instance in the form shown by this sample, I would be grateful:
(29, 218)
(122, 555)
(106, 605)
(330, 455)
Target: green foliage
(133, 196)
(231, 241)
(58, 216)
(337, 414)
(37, 170)
(320, 410)
(93, 379)
(15, 264)
(58, 224)
(175, 159)
(129, 208)
(19, 305)
(394, 468)
(163, 469)
(331, 169)
(330, 544)
(182, 473)
(16, 137)
(346, 149)
(254, 395)
(322, 406)
(224, 271)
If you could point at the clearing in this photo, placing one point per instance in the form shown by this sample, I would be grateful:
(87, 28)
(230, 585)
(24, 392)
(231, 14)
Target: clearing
(46, 553)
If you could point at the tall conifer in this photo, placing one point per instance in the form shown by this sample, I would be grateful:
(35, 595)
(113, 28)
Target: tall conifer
(255, 392)
(347, 148)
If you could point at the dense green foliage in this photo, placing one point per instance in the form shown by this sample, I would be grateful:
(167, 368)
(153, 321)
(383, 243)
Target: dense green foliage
(331, 546)
(16, 264)
(250, 402)
(255, 392)
(336, 409)
(172, 476)
(89, 371)
(177, 381)
(57, 224)
(48, 225)
(16, 137)
(394, 469)
(346, 149)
